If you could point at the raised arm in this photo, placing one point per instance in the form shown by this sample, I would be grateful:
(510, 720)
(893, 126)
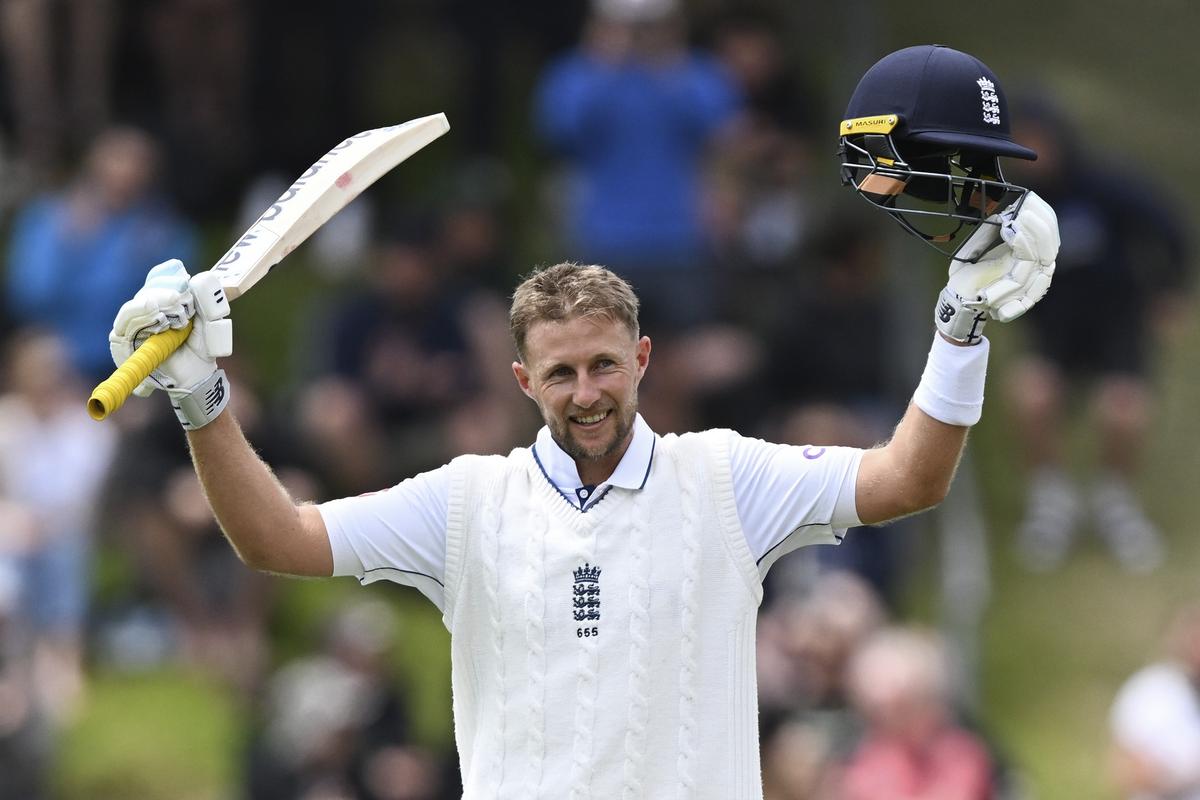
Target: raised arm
(1000, 273)
(913, 471)
(267, 529)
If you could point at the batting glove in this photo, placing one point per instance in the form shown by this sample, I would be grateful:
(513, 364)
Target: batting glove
(198, 390)
(1001, 271)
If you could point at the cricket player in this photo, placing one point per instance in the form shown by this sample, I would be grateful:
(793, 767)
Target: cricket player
(601, 585)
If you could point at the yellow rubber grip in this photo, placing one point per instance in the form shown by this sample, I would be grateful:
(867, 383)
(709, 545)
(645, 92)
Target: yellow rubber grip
(114, 390)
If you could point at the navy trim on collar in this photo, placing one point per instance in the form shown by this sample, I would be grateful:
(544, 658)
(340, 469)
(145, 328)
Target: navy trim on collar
(624, 473)
(649, 463)
(630, 473)
(596, 498)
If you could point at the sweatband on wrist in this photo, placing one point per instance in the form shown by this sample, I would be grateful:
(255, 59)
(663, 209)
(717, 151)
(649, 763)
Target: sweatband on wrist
(951, 388)
(200, 405)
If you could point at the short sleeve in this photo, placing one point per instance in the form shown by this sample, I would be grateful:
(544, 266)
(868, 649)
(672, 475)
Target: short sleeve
(398, 534)
(789, 496)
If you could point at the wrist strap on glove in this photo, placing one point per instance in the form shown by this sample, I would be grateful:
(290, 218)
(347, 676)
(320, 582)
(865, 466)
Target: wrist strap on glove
(200, 405)
(957, 320)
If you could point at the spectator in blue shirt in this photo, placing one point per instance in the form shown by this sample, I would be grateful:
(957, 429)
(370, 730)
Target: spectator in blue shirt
(633, 112)
(91, 243)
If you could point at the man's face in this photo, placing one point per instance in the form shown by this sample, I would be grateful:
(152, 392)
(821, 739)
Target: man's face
(583, 374)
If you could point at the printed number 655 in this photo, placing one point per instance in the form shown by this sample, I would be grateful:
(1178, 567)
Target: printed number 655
(588, 632)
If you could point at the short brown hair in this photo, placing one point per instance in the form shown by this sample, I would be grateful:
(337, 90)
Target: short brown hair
(566, 291)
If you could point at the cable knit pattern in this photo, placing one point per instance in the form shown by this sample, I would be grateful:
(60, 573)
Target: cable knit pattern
(689, 531)
(491, 564)
(535, 637)
(639, 632)
(586, 688)
(654, 708)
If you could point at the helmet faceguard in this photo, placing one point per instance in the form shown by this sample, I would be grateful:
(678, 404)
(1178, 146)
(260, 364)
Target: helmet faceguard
(936, 192)
(921, 140)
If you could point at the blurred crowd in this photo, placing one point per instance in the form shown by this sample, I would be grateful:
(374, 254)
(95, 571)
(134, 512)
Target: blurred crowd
(693, 156)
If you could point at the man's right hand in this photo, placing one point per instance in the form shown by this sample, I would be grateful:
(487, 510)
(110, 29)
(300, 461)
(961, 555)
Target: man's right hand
(169, 299)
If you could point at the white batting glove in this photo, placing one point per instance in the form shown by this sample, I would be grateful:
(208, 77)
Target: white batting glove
(198, 390)
(1001, 271)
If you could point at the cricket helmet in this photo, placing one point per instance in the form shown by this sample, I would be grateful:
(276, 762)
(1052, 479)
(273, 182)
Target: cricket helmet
(921, 140)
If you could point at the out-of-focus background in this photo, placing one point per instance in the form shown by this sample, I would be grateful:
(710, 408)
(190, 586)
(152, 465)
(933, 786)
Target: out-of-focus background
(1021, 638)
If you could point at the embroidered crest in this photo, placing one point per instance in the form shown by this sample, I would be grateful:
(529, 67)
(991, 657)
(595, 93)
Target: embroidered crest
(990, 101)
(587, 593)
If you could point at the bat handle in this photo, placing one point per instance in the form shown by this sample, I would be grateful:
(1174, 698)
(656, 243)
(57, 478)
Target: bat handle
(113, 391)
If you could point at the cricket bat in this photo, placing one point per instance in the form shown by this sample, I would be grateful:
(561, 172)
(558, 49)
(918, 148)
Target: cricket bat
(324, 189)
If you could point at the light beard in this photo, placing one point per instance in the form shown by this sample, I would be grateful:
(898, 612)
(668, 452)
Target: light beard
(563, 438)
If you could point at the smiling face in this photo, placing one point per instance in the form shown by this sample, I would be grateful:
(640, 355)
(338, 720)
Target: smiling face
(583, 373)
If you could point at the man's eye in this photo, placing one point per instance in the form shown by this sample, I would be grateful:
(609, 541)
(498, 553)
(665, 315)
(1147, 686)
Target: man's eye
(561, 372)
(605, 363)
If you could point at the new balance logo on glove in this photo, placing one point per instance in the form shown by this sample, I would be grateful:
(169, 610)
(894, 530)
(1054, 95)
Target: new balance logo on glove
(214, 395)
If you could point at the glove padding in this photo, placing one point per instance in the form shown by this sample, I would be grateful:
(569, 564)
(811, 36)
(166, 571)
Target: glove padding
(1001, 271)
(168, 300)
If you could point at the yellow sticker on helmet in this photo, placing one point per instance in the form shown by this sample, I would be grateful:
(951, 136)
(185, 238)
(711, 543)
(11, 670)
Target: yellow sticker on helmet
(883, 124)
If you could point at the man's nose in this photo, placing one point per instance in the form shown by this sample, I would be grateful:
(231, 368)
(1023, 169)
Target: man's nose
(586, 392)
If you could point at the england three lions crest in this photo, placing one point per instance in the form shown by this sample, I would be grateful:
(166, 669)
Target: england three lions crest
(586, 594)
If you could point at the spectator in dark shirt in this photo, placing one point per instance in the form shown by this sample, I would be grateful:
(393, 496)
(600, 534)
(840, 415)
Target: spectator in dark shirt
(1124, 260)
(395, 356)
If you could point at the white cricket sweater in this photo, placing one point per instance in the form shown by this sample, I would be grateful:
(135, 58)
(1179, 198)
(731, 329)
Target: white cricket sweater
(608, 653)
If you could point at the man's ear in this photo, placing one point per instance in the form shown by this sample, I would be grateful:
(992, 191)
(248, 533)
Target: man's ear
(642, 355)
(522, 376)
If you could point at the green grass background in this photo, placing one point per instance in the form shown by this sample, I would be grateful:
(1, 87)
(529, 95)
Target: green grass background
(1055, 647)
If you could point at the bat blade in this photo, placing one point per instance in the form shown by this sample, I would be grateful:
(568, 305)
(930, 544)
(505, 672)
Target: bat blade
(313, 198)
(321, 191)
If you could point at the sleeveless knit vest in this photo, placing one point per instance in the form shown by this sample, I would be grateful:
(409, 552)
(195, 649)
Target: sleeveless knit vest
(609, 653)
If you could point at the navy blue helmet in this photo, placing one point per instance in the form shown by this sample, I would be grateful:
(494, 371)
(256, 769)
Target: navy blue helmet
(921, 139)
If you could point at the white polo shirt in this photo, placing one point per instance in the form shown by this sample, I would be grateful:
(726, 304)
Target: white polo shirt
(787, 497)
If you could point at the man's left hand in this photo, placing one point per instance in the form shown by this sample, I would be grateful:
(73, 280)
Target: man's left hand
(1001, 271)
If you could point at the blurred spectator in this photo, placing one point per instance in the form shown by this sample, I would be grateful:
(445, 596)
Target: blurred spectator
(1155, 720)
(795, 758)
(702, 379)
(191, 598)
(637, 117)
(842, 389)
(634, 113)
(53, 459)
(1119, 287)
(805, 643)
(474, 247)
(396, 356)
(762, 208)
(76, 256)
(842, 392)
(474, 233)
(334, 724)
(912, 748)
(195, 88)
(58, 63)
